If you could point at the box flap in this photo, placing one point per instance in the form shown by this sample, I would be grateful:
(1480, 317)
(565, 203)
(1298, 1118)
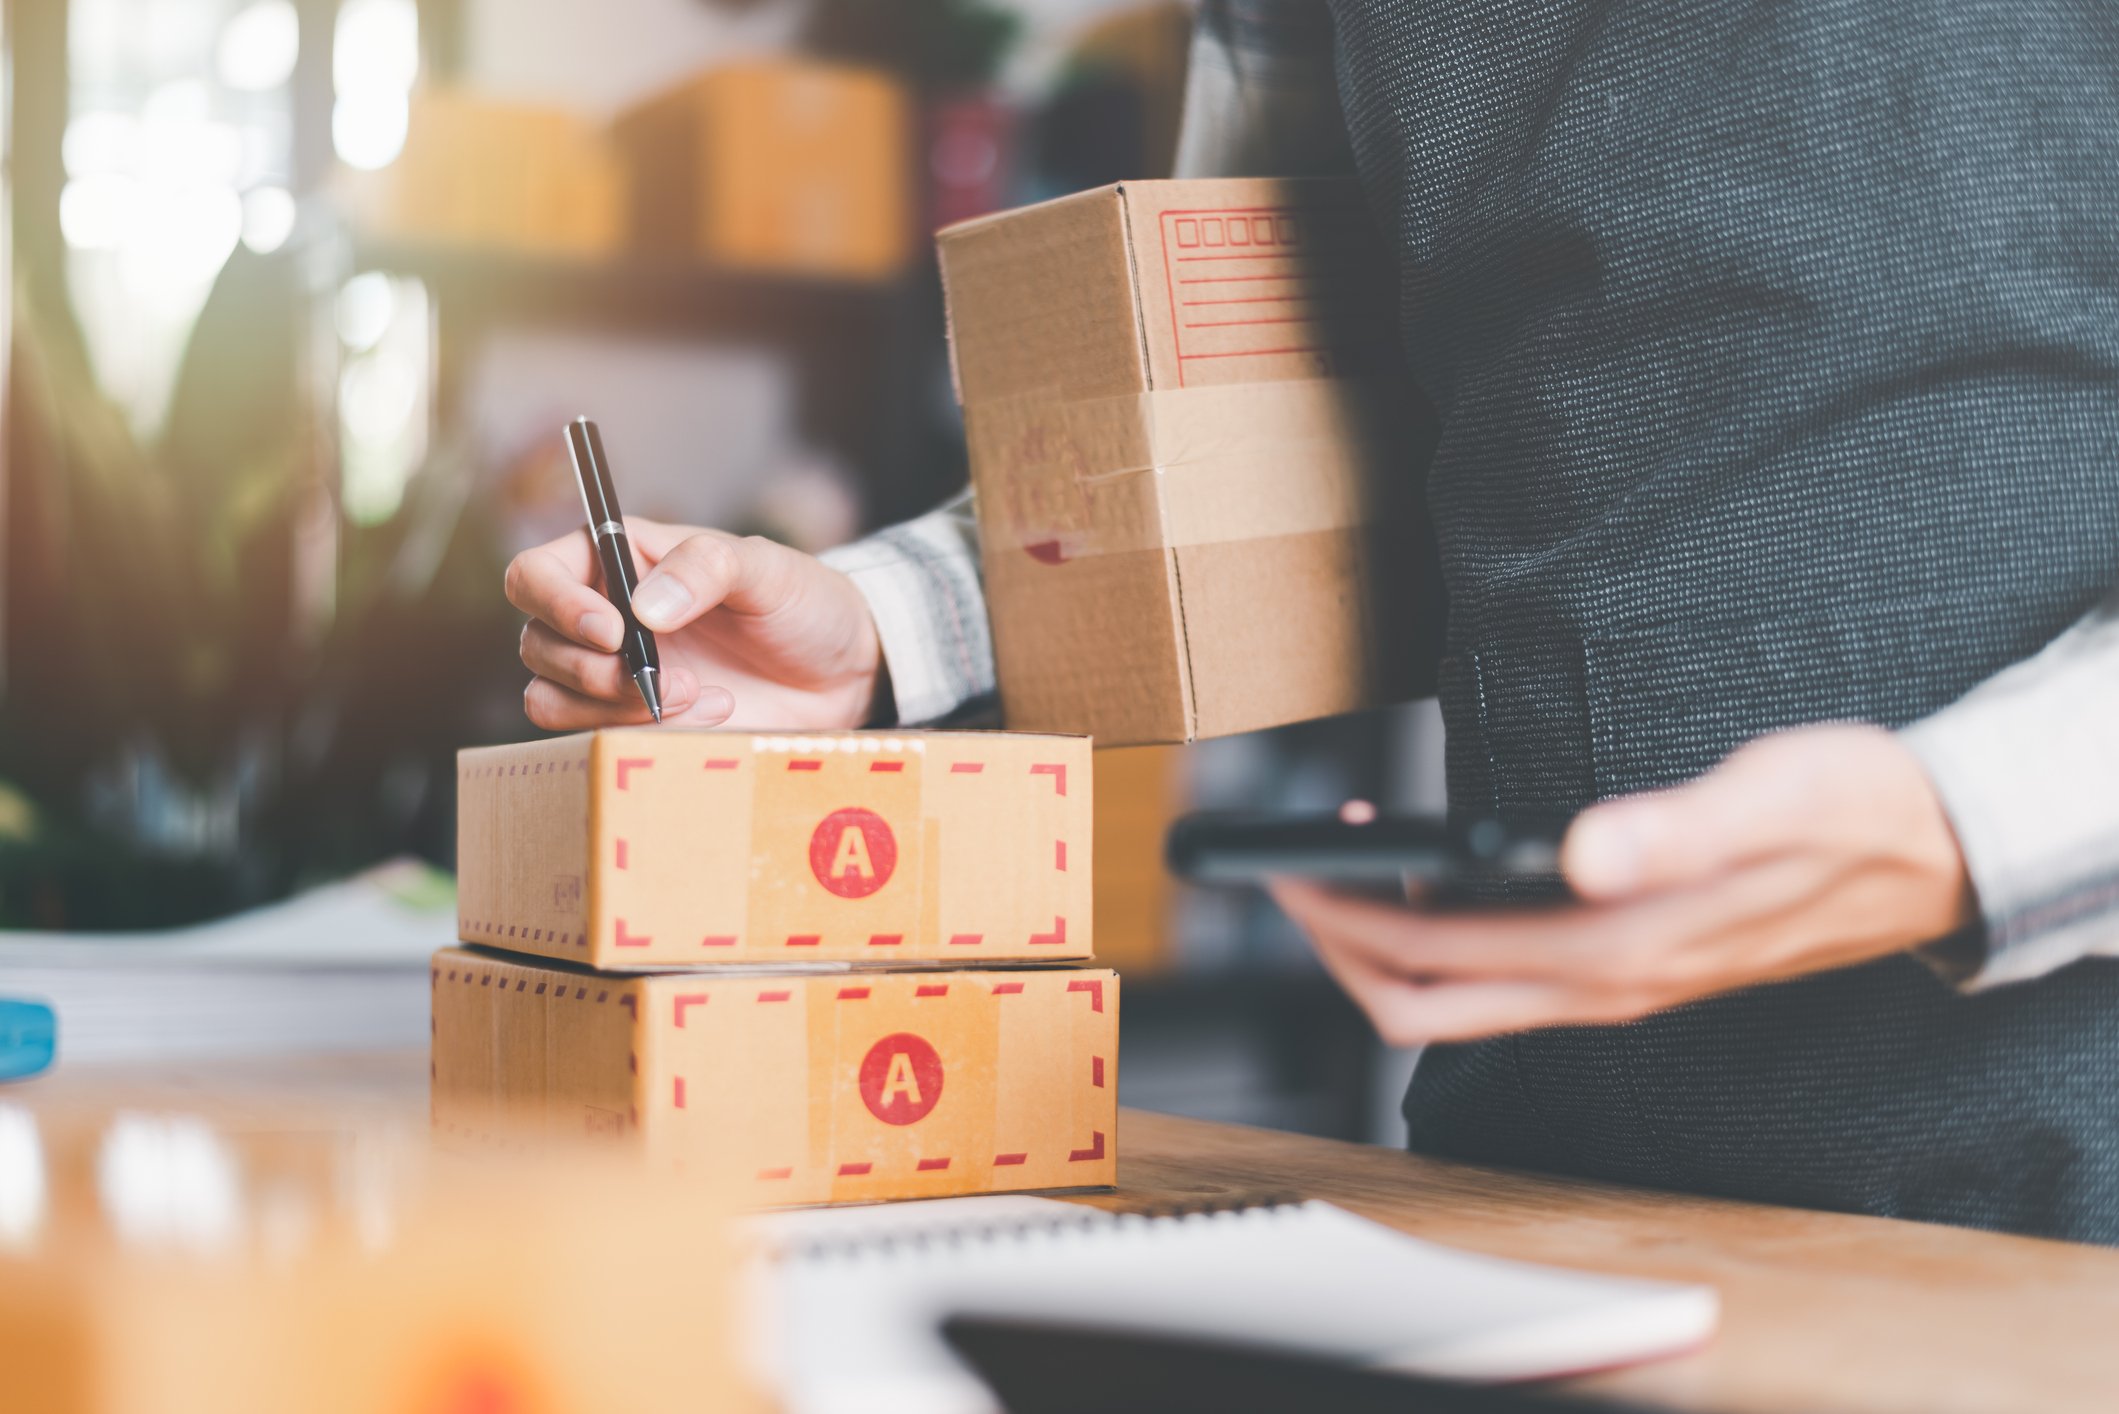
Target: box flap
(1045, 298)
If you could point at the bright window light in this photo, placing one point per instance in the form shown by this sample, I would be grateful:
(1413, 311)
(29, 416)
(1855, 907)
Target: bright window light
(97, 212)
(368, 128)
(184, 236)
(268, 219)
(375, 47)
(96, 143)
(366, 305)
(181, 142)
(383, 405)
(259, 46)
(178, 103)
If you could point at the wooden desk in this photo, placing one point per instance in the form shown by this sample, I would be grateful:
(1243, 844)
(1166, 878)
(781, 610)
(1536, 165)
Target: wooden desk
(1822, 1313)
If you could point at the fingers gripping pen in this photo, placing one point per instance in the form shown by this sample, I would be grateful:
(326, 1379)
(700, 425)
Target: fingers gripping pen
(599, 498)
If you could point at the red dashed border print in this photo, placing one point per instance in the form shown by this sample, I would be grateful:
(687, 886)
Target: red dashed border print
(686, 1012)
(792, 754)
(688, 1008)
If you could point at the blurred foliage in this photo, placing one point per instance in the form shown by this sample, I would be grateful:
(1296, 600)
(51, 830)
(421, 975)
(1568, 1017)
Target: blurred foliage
(183, 746)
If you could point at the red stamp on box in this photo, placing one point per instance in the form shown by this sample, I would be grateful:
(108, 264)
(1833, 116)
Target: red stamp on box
(853, 853)
(901, 1079)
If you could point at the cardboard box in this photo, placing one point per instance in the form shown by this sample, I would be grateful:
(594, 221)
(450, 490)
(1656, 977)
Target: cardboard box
(776, 165)
(808, 1088)
(181, 1268)
(656, 847)
(1197, 458)
(482, 172)
(1139, 791)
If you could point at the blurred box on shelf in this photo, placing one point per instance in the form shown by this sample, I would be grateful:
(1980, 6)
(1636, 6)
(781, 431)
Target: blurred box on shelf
(1197, 457)
(807, 1087)
(1138, 793)
(785, 166)
(178, 1263)
(482, 172)
(656, 847)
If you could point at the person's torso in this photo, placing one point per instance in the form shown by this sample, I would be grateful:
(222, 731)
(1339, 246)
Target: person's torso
(1776, 349)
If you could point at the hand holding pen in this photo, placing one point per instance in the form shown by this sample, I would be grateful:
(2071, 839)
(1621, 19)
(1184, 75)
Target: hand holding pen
(746, 632)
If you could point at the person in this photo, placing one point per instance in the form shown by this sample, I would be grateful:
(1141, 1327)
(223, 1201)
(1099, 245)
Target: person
(1776, 349)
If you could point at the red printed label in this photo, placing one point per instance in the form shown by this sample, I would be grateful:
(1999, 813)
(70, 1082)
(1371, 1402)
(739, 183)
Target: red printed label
(852, 852)
(1266, 282)
(901, 1079)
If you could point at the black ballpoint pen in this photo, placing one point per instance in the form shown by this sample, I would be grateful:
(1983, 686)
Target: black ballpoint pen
(599, 498)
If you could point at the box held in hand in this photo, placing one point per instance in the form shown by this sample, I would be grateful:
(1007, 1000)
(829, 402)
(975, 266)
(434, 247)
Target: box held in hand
(801, 1088)
(1197, 455)
(654, 847)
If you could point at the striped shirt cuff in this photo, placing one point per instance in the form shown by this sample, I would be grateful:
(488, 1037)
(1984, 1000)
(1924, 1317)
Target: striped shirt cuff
(921, 581)
(2027, 768)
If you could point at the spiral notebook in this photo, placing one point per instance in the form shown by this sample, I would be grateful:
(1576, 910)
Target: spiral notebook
(851, 1301)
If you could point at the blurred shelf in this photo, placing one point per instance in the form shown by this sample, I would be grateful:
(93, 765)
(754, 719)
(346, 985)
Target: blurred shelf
(630, 291)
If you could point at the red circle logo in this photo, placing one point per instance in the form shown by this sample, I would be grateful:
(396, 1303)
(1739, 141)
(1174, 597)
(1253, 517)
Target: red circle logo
(901, 1079)
(852, 852)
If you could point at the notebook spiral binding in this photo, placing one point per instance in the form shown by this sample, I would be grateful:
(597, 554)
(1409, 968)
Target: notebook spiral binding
(963, 1236)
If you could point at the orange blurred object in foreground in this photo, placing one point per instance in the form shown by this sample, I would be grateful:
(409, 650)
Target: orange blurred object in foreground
(164, 1263)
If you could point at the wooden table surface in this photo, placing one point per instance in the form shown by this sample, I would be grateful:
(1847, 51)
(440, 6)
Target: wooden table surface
(1822, 1312)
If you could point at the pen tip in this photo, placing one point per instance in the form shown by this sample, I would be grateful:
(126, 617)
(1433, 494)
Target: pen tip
(645, 678)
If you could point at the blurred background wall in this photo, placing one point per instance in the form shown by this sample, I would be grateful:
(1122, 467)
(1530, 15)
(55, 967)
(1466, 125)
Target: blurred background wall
(298, 294)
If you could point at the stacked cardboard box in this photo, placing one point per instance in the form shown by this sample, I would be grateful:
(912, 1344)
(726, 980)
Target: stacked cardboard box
(820, 964)
(1139, 792)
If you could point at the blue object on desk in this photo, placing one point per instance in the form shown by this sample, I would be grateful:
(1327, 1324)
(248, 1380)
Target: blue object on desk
(28, 1033)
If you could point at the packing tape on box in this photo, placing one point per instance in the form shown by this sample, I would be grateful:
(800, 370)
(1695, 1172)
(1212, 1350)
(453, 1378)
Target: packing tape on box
(1073, 479)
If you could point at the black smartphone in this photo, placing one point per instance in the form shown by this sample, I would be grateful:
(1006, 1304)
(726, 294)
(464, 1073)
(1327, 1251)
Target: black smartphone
(1474, 858)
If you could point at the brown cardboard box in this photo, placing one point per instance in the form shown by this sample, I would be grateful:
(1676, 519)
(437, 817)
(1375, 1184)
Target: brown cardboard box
(184, 1268)
(1139, 791)
(808, 1088)
(479, 171)
(1196, 457)
(776, 165)
(657, 847)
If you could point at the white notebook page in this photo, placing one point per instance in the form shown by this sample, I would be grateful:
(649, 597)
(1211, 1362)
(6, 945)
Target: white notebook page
(850, 1323)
